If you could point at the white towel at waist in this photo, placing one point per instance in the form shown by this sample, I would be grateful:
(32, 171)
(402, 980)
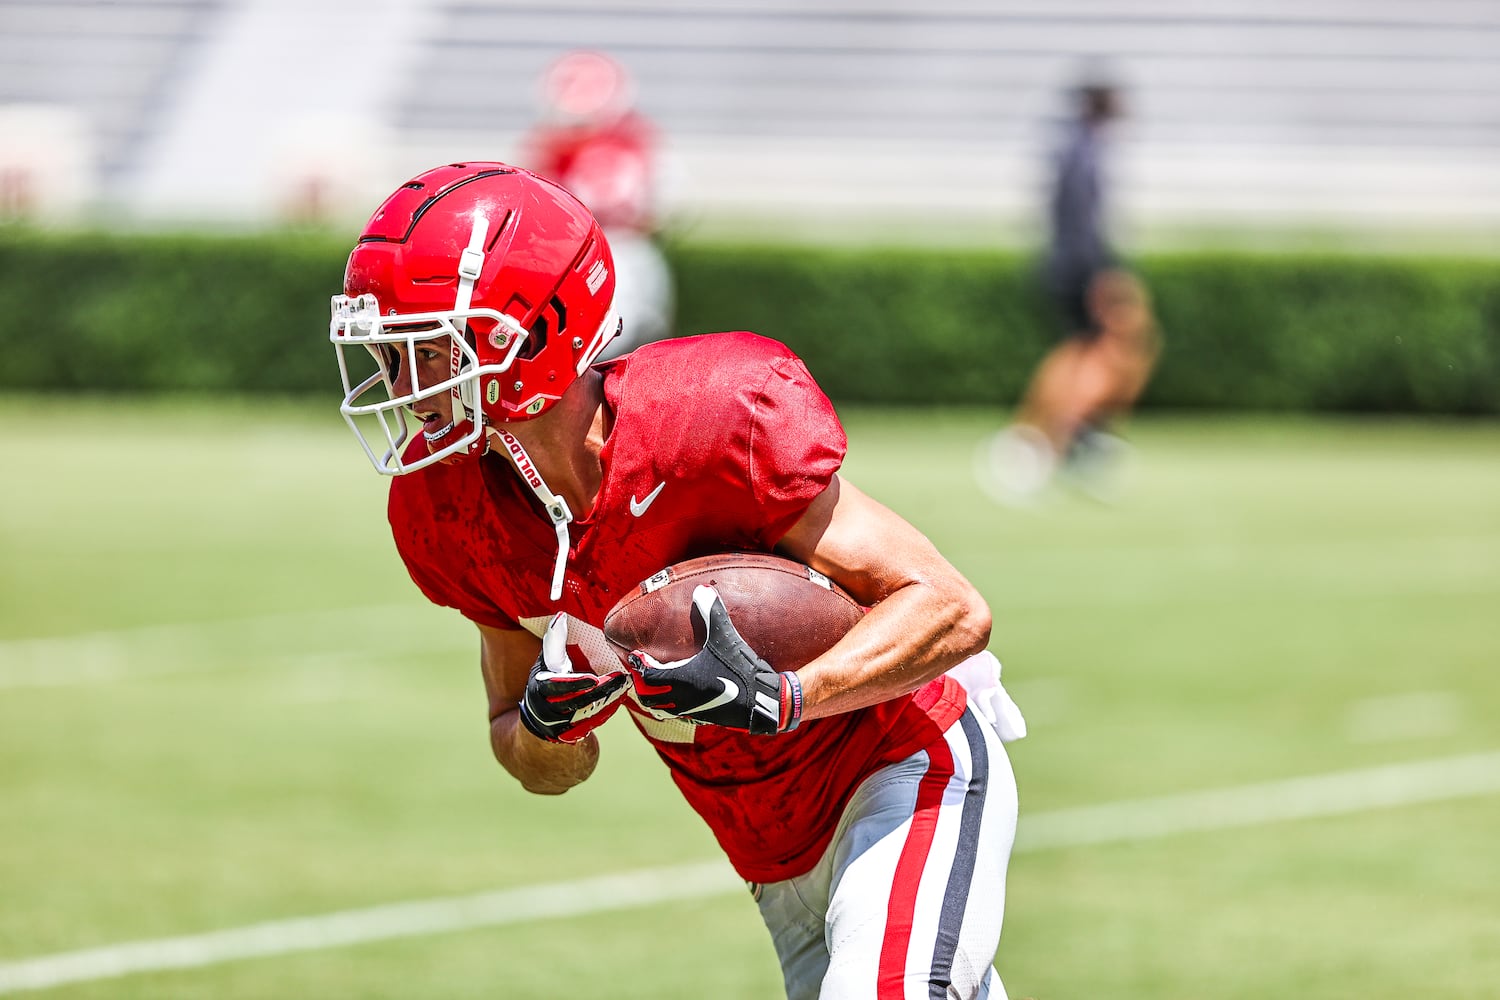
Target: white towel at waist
(980, 677)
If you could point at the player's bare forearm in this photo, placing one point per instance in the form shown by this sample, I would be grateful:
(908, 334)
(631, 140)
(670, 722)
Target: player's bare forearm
(924, 618)
(542, 768)
(905, 641)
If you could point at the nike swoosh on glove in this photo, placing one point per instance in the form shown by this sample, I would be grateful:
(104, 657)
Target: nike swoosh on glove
(562, 705)
(724, 683)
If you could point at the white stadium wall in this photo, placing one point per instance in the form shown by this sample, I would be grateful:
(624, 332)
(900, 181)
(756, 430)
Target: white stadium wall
(832, 116)
(46, 163)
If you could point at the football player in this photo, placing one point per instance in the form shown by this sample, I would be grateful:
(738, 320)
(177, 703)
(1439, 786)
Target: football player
(593, 140)
(1109, 338)
(866, 797)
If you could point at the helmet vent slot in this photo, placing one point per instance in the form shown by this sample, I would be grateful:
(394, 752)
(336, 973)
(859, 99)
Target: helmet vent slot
(499, 231)
(541, 330)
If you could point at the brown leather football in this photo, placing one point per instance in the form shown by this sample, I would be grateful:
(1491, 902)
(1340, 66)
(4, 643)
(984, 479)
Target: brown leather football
(787, 612)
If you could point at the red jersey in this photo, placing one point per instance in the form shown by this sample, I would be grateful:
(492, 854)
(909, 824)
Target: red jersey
(731, 439)
(610, 167)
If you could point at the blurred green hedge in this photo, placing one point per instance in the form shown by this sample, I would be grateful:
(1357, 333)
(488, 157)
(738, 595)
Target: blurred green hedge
(137, 312)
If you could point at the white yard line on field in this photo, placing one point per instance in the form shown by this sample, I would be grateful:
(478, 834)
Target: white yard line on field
(294, 638)
(1336, 794)
(375, 923)
(1464, 567)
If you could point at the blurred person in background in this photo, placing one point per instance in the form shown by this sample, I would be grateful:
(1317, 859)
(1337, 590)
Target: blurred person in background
(593, 141)
(1109, 337)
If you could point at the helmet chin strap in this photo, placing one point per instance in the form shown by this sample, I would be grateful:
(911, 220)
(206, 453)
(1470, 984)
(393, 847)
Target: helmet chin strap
(470, 265)
(556, 506)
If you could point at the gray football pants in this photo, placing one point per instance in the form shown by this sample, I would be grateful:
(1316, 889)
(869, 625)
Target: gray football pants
(907, 901)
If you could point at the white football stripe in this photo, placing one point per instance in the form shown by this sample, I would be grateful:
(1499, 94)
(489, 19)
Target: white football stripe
(376, 923)
(294, 640)
(1337, 794)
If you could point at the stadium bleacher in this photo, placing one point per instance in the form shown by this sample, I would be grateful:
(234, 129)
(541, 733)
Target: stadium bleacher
(1294, 113)
(115, 65)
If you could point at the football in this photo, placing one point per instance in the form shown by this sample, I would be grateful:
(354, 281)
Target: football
(787, 612)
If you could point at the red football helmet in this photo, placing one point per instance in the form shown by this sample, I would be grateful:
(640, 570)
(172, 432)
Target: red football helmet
(507, 267)
(585, 87)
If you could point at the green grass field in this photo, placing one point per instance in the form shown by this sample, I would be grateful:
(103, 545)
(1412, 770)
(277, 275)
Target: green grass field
(222, 703)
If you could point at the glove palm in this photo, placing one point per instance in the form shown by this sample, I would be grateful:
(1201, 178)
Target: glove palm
(562, 705)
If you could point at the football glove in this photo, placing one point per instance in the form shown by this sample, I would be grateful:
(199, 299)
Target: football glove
(724, 683)
(562, 705)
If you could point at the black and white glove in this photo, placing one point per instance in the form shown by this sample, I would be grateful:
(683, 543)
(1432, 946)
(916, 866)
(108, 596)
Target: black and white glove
(562, 705)
(724, 683)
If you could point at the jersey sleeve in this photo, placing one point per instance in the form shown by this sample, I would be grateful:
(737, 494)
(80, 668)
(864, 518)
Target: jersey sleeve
(796, 446)
(434, 587)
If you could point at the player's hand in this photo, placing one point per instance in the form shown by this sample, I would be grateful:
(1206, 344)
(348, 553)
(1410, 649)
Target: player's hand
(562, 705)
(724, 683)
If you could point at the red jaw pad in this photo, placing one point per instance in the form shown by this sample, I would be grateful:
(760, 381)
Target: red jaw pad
(437, 440)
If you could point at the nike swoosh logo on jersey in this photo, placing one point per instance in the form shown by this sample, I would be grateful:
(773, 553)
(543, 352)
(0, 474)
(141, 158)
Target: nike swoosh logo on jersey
(731, 691)
(638, 507)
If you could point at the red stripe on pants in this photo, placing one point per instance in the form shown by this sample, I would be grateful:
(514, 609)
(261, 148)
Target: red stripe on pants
(891, 978)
